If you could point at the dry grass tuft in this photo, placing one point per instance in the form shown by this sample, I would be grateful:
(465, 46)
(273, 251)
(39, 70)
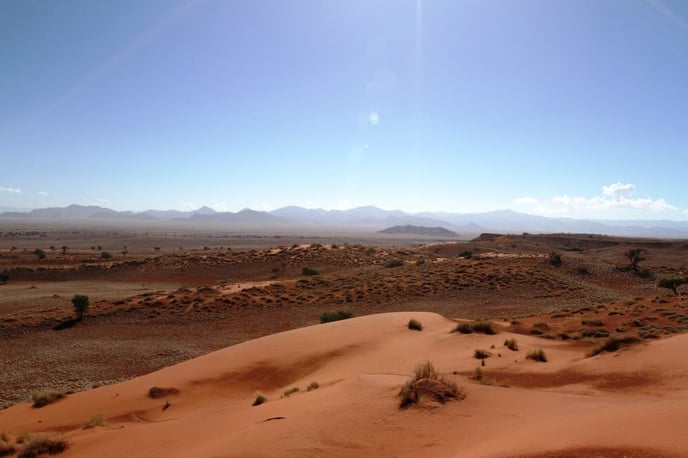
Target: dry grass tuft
(537, 355)
(43, 446)
(480, 327)
(96, 420)
(42, 398)
(429, 384)
(157, 392)
(614, 344)
(415, 325)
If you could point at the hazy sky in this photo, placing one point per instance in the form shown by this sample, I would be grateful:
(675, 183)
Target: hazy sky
(568, 108)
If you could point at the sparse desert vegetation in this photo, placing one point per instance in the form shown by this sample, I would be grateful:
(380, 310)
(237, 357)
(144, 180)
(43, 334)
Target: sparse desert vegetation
(427, 383)
(42, 398)
(415, 325)
(537, 355)
(327, 317)
(41, 445)
(170, 305)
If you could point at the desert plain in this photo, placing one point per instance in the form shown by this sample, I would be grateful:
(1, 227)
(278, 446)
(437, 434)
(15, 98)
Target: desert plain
(211, 344)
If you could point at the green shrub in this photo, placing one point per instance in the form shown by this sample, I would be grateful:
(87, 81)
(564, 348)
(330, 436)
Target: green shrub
(260, 398)
(466, 254)
(42, 398)
(313, 386)
(537, 355)
(327, 317)
(309, 272)
(394, 263)
(40, 254)
(4, 277)
(511, 344)
(415, 325)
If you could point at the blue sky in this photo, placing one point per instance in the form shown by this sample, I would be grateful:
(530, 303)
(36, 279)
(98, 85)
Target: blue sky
(561, 108)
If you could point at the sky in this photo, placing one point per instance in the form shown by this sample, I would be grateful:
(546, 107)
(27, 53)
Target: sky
(572, 108)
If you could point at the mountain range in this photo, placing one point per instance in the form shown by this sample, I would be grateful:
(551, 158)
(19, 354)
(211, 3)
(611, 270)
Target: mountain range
(500, 221)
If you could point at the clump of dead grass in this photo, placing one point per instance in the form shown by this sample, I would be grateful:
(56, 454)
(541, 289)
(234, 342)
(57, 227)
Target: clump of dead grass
(428, 383)
(479, 327)
(42, 398)
(415, 325)
(613, 344)
(96, 420)
(157, 392)
(511, 344)
(537, 355)
(41, 445)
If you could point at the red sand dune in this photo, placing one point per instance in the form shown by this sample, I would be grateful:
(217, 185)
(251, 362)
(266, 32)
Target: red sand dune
(630, 403)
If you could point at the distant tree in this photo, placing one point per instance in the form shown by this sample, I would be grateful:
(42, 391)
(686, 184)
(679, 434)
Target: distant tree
(64, 249)
(80, 304)
(40, 254)
(100, 248)
(52, 248)
(105, 255)
(157, 248)
(4, 277)
(672, 283)
(635, 256)
(93, 248)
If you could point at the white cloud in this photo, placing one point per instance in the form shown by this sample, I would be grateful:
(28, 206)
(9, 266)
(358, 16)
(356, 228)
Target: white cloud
(616, 197)
(374, 118)
(42, 193)
(10, 190)
(526, 200)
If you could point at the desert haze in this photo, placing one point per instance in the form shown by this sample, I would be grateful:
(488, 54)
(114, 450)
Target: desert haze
(360, 343)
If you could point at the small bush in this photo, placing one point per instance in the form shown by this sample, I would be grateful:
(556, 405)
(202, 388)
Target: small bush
(511, 344)
(583, 270)
(481, 327)
(157, 392)
(554, 259)
(537, 355)
(614, 344)
(96, 420)
(7, 449)
(415, 325)
(309, 272)
(327, 317)
(428, 383)
(672, 283)
(42, 398)
(466, 254)
(480, 377)
(4, 277)
(105, 255)
(42, 446)
(23, 437)
(291, 391)
(592, 323)
(313, 386)
(394, 263)
(260, 398)
(481, 354)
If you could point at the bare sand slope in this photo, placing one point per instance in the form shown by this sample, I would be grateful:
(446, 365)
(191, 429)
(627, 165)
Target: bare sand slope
(630, 403)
